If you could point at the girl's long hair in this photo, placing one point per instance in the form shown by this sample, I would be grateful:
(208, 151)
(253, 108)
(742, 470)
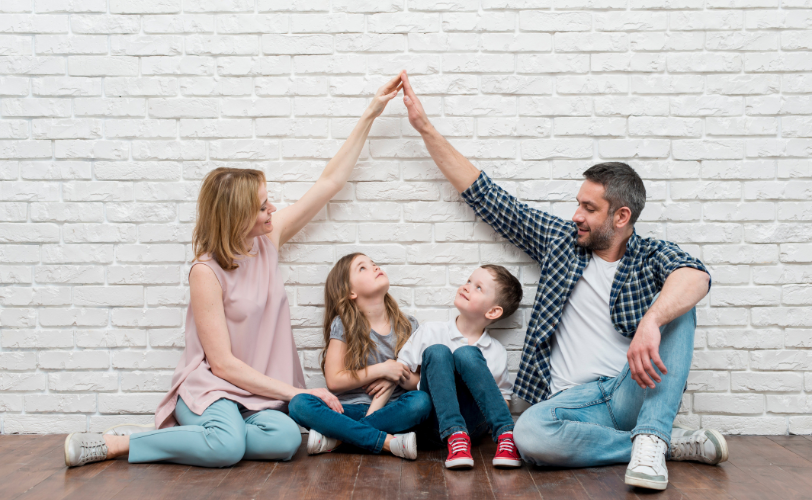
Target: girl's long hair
(337, 302)
(226, 209)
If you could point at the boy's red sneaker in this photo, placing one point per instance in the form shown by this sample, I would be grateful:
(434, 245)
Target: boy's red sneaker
(506, 453)
(459, 452)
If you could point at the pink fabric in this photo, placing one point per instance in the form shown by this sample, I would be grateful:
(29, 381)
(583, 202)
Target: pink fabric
(258, 320)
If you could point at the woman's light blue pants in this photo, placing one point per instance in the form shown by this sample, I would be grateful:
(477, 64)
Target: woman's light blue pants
(220, 437)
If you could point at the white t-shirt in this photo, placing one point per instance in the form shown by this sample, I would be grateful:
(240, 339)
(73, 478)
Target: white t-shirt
(586, 345)
(446, 333)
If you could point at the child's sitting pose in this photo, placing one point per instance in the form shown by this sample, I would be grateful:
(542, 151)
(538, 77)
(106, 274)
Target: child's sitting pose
(363, 331)
(465, 371)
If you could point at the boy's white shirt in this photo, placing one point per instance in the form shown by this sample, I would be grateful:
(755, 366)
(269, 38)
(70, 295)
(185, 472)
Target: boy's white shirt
(447, 334)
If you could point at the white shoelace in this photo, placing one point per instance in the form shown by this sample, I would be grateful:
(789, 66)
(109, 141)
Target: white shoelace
(688, 446)
(458, 445)
(647, 453)
(94, 453)
(506, 445)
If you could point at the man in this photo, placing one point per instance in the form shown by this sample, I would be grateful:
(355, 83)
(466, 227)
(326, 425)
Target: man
(611, 335)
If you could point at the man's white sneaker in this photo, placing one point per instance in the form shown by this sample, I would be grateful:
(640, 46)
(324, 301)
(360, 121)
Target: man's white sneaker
(319, 443)
(404, 446)
(83, 448)
(704, 445)
(647, 468)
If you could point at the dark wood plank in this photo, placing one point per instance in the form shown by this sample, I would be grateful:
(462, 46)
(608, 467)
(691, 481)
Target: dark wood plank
(684, 475)
(109, 482)
(506, 483)
(64, 481)
(245, 480)
(605, 483)
(705, 494)
(340, 481)
(29, 451)
(292, 480)
(377, 475)
(557, 484)
(754, 451)
(724, 473)
(158, 480)
(37, 468)
(197, 483)
(796, 444)
(423, 478)
(772, 482)
(469, 484)
(9, 443)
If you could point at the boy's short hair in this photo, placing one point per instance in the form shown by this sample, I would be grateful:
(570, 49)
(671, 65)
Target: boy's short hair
(508, 289)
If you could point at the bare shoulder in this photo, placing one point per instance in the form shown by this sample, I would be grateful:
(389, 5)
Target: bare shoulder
(202, 277)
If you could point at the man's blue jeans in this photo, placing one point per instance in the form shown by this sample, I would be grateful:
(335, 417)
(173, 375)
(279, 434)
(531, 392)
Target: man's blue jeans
(594, 424)
(353, 426)
(464, 394)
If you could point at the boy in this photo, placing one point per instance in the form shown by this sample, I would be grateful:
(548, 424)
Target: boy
(464, 370)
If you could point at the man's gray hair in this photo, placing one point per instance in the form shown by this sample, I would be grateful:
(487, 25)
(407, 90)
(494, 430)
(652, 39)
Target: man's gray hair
(624, 188)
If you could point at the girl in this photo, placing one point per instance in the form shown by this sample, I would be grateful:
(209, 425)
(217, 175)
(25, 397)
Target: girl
(363, 331)
(239, 367)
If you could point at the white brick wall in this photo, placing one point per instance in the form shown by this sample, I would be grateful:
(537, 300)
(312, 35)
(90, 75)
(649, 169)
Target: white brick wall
(111, 111)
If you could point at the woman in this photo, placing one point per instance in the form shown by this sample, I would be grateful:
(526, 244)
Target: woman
(240, 367)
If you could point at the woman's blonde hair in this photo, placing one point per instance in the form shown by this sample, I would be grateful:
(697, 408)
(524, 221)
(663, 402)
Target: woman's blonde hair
(226, 209)
(337, 302)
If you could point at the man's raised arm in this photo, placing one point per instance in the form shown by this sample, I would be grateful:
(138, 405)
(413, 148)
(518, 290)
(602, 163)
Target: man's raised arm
(456, 168)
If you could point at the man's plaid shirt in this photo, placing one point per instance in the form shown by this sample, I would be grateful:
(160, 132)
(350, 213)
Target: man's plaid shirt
(550, 241)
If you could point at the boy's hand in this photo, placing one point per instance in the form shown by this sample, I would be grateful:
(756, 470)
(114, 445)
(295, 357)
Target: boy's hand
(379, 387)
(393, 371)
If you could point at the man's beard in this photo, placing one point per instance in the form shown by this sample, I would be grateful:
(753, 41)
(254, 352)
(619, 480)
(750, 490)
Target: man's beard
(598, 239)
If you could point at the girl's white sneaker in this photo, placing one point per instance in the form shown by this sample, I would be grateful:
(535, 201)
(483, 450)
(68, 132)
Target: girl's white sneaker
(319, 443)
(404, 446)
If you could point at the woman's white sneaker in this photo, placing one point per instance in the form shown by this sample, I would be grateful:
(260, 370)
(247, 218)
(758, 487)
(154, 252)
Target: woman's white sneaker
(404, 446)
(83, 448)
(647, 468)
(319, 443)
(704, 445)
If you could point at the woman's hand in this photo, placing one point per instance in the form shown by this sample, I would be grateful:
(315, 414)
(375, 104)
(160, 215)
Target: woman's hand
(384, 94)
(328, 397)
(393, 371)
(379, 387)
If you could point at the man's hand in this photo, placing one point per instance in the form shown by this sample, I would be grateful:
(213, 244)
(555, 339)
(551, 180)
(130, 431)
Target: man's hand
(417, 116)
(328, 397)
(644, 349)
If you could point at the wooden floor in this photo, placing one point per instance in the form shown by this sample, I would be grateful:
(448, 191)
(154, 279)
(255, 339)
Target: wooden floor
(759, 468)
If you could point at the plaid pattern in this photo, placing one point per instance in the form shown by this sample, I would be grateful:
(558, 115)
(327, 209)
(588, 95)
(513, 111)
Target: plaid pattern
(550, 241)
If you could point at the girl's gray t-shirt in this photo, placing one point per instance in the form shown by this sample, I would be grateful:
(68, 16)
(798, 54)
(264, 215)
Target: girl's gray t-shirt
(386, 345)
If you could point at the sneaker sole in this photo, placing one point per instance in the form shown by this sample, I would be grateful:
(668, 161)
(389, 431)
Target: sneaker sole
(67, 440)
(646, 483)
(460, 463)
(720, 439)
(144, 426)
(506, 463)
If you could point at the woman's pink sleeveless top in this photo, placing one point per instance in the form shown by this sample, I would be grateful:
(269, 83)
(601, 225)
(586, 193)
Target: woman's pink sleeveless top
(258, 320)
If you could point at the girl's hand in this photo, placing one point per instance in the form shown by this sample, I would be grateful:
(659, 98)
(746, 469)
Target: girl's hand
(328, 397)
(385, 94)
(379, 387)
(393, 371)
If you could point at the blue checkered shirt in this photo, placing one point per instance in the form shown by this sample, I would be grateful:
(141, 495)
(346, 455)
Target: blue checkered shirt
(550, 241)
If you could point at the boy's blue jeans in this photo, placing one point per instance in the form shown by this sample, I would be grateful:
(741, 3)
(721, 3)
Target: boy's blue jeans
(594, 424)
(353, 426)
(464, 394)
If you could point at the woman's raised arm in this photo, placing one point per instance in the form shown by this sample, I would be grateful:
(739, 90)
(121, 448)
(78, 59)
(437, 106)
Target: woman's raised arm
(210, 319)
(290, 220)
